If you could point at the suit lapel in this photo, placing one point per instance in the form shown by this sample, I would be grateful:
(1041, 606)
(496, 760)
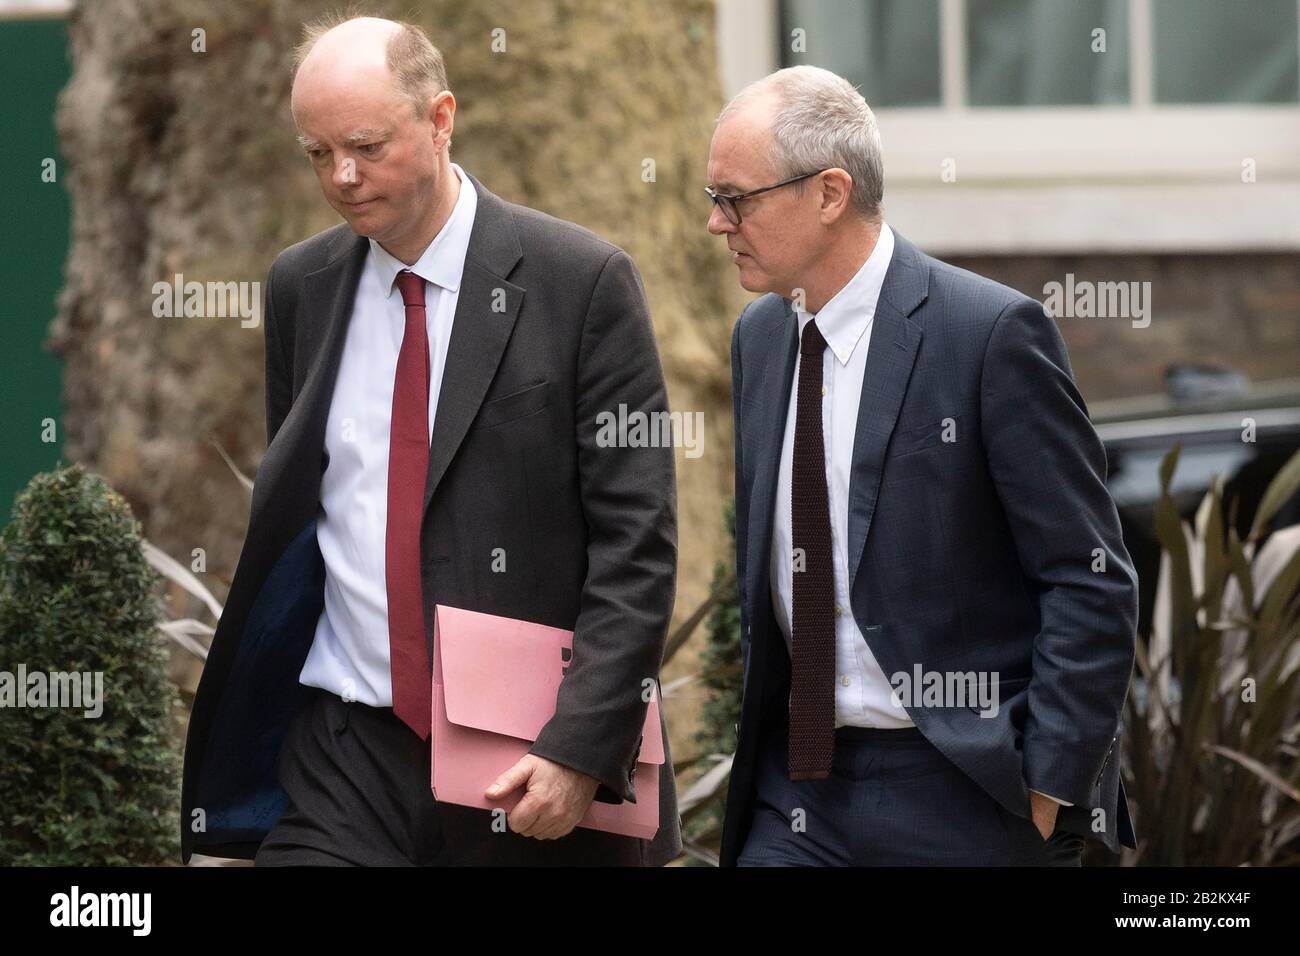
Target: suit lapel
(328, 293)
(895, 341)
(767, 440)
(486, 309)
(321, 329)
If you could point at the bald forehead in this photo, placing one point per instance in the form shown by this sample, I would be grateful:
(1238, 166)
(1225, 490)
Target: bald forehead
(364, 37)
(336, 81)
(351, 54)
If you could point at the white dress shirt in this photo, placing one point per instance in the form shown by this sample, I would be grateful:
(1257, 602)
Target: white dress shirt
(349, 653)
(862, 690)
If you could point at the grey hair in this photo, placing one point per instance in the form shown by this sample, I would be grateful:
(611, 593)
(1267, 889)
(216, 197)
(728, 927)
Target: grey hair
(821, 122)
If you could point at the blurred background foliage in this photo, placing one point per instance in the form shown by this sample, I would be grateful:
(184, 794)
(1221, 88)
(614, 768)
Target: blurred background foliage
(1212, 722)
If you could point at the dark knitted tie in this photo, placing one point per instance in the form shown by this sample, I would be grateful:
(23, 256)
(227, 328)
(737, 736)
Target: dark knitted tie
(812, 697)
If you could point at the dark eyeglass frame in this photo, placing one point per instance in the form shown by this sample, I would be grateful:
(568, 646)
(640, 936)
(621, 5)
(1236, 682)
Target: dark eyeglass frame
(728, 203)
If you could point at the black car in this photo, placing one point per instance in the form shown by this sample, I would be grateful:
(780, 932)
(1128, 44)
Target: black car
(1244, 433)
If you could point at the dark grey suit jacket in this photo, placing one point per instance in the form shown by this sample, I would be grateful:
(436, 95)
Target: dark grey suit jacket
(970, 555)
(551, 328)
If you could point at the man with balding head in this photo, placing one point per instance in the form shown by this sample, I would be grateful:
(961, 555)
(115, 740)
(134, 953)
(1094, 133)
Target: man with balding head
(435, 366)
(937, 607)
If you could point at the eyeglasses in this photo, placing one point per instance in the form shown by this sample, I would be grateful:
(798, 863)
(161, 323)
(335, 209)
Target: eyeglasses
(728, 203)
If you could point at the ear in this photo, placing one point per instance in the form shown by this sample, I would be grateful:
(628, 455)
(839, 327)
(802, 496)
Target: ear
(442, 113)
(836, 187)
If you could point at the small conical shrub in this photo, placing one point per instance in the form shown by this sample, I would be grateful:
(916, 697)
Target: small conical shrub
(76, 599)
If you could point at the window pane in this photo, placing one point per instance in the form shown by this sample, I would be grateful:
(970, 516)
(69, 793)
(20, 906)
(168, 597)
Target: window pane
(888, 49)
(1226, 51)
(1040, 52)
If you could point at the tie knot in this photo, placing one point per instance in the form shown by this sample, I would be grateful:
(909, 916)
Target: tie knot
(412, 288)
(812, 343)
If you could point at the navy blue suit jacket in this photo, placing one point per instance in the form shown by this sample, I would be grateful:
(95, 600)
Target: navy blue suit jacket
(974, 554)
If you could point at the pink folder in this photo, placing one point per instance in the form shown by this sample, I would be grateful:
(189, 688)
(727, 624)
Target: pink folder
(495, 681)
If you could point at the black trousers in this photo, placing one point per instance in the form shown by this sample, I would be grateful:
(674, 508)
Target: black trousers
(359, 795)
(892, 799)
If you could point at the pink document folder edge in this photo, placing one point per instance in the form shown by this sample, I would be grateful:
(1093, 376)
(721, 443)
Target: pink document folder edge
(481, 755)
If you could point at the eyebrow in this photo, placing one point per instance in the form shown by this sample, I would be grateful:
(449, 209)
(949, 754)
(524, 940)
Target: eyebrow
(306, 142)
(364, 134)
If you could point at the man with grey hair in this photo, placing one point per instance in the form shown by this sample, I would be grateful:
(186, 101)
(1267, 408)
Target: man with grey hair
(937, 607)
(435, 369)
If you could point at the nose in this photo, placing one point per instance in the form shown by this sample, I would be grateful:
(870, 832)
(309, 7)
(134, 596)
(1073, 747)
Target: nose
(345, 172)
(719, 224)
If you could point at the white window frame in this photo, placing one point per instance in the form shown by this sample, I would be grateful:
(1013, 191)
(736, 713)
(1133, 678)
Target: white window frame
(1144, 177)
(35, 9)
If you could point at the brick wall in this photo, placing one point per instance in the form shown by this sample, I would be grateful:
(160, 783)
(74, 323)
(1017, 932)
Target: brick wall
(1241, 310)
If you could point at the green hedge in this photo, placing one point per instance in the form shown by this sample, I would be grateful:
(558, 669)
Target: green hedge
(76, 596)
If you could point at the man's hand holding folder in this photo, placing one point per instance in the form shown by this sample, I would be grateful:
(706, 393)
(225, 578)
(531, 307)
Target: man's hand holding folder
(555, 797)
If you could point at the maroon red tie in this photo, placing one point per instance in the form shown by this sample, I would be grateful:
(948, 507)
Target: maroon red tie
(408, 466)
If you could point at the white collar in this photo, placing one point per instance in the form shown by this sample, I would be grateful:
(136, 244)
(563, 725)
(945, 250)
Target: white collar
(843, 320)
(443, 260)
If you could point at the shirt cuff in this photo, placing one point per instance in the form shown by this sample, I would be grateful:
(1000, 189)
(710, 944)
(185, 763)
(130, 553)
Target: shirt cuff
(1064, 803)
